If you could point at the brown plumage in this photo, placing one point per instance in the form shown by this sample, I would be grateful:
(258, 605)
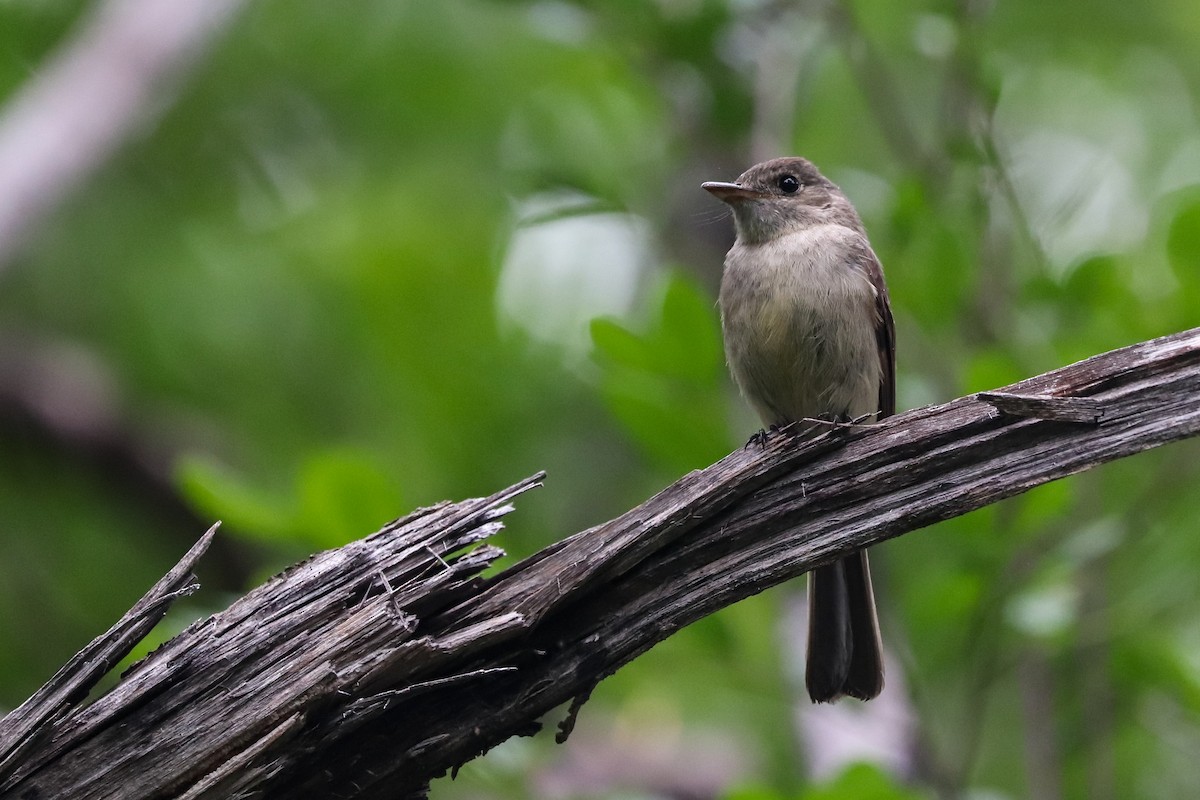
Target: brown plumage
(809, 334)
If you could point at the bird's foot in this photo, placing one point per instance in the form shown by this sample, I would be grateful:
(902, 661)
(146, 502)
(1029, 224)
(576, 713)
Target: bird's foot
(762, 436)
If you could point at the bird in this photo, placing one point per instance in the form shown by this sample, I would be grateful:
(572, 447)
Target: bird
(809, 333)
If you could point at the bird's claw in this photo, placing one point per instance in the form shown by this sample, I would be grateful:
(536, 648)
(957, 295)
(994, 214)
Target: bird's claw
(762, 436)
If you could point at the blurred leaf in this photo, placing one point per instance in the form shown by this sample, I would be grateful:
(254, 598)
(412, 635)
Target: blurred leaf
(941, 601)
(618, 344)
(217, 492)
(1183, 246)
(1044, 504)
(689, 341)
(991, 369)
(863, 782)
(934, 271)
(666, 385)
(1156, 660)
(343, 495)
(339, 496)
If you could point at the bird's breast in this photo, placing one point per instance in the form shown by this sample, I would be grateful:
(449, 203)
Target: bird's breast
(798, 320)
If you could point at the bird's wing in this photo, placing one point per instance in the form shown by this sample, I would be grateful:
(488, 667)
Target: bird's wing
(885, 328)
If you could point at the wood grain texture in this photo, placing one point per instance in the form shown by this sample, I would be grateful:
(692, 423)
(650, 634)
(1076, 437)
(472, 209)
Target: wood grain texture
(367, 671)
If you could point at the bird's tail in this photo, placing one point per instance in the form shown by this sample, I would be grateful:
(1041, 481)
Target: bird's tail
(845, 654)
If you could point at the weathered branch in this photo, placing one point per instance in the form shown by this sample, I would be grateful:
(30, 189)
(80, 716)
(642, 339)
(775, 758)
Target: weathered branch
(368, 670)
(72, 683)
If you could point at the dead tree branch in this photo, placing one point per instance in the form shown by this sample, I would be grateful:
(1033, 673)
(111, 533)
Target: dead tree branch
(367, 671)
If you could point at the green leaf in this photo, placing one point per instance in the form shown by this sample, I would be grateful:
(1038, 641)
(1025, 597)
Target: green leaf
(618, 344)
(991, 369)
(215, 490)
(678, 431)
(863, 782)
(688, 340)
(339, 496)
(344, 494)
(1183, 246)
(667, 386)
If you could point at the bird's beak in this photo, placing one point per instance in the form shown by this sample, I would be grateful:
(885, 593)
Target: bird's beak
(730, 192)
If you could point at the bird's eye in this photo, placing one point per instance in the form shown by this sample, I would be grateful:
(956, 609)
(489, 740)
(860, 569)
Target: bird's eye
(789, 184)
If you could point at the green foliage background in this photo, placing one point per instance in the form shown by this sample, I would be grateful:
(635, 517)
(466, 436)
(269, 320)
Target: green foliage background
(383, 253)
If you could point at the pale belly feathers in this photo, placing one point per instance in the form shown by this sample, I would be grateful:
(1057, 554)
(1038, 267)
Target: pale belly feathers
(799, 322)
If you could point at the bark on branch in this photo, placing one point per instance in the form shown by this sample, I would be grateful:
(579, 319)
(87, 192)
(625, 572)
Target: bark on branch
(366, 671)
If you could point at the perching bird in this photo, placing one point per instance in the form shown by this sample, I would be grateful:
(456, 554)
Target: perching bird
(809, 334)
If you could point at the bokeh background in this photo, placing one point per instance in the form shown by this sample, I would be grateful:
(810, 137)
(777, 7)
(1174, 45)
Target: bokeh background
(335, 261)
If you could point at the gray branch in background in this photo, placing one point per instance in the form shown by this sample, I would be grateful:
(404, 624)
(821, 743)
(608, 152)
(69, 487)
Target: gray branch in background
(110, 78)
(369, 670)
